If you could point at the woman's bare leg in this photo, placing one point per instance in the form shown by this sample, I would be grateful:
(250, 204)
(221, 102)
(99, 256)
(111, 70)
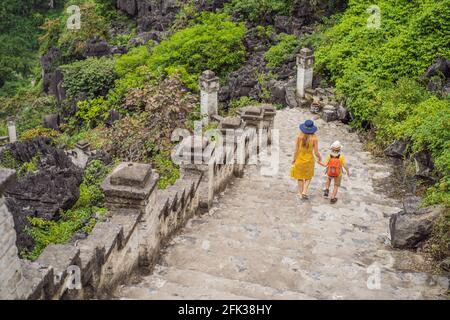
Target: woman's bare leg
(306, 186)
(300, 186)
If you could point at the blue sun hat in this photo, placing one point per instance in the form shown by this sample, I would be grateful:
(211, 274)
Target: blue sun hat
(308, 127)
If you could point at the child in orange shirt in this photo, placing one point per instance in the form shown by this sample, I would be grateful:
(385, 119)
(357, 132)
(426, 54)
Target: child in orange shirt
(334, 162)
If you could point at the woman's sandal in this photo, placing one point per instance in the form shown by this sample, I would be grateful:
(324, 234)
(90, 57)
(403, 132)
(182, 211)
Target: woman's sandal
(334, 200)
(305, 196)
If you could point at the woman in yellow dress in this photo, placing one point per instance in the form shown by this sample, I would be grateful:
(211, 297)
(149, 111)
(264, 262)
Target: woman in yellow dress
(303, 162)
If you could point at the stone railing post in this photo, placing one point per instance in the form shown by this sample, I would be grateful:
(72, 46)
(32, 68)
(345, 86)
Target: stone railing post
(209, 88)
(269, 113)
(232, 130)
(198, 155)
(255, 126)
(131, 186)
(305, 63)
(12, 283)
(12, 130)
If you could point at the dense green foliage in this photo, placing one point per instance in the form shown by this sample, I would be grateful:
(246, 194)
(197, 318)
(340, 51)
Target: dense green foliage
(362, 60)
(258, 10)
(19, 25)
(28, 109)
(282, 51)
(378, 71)
(93, 77)
(213, 43)
(96, 17)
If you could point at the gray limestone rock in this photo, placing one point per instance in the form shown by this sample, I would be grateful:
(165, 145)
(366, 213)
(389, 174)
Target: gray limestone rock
(410, 230)
(397, 149)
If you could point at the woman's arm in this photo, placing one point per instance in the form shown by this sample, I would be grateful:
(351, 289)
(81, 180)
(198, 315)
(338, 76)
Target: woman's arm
(316, 150)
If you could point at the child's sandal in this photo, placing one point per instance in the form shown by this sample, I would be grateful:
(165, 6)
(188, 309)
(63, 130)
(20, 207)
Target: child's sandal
(334, 200)
(305, 196)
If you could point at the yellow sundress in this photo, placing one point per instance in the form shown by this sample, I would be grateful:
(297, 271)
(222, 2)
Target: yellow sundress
(303, 168)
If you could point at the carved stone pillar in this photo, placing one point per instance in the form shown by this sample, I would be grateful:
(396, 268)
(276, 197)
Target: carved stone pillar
(12, 133)
(209, 87)
(305, 63)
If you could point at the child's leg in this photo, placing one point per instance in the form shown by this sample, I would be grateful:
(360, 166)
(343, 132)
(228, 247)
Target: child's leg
(327, 187)
(337, 184)
(335, 191)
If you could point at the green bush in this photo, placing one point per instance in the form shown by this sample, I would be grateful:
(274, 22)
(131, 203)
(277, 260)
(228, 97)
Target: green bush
(45, 232)
(93, 76)
(28, 109)
(214, 43)
(19, 61)
(440, 237)
(282, 51)
(91, 193)
(168, 172)
(7, 160)
(39, 132)
(29, 167)
(130, 81)
(258, 10)
(237, 104)
(92, 112)
(128, 63)
(362, 60)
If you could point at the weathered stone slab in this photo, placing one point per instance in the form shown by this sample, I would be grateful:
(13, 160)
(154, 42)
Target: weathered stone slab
(141, 191)
(108, 235)
(231, 123)
(37, 280)
(131, 174)
(128, 223)
(60, 258)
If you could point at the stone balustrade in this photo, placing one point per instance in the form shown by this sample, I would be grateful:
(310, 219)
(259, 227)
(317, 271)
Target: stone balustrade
(140, 220)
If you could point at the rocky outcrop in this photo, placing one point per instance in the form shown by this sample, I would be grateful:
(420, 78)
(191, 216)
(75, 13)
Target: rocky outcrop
(438, 76)
(151, 14)
(397, 149)
(413, 225)
(51, 76)
(97, 48)
(54, 187)
(424, 165)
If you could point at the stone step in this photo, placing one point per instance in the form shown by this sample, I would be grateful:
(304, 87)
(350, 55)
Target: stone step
(281, 238)
(200, 282)
(282, 272)
(156, 288)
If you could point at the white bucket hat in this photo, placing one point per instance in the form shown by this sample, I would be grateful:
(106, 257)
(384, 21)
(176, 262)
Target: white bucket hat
(336, 145)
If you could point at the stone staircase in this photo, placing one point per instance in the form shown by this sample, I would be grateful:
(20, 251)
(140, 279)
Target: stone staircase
(260, 241)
